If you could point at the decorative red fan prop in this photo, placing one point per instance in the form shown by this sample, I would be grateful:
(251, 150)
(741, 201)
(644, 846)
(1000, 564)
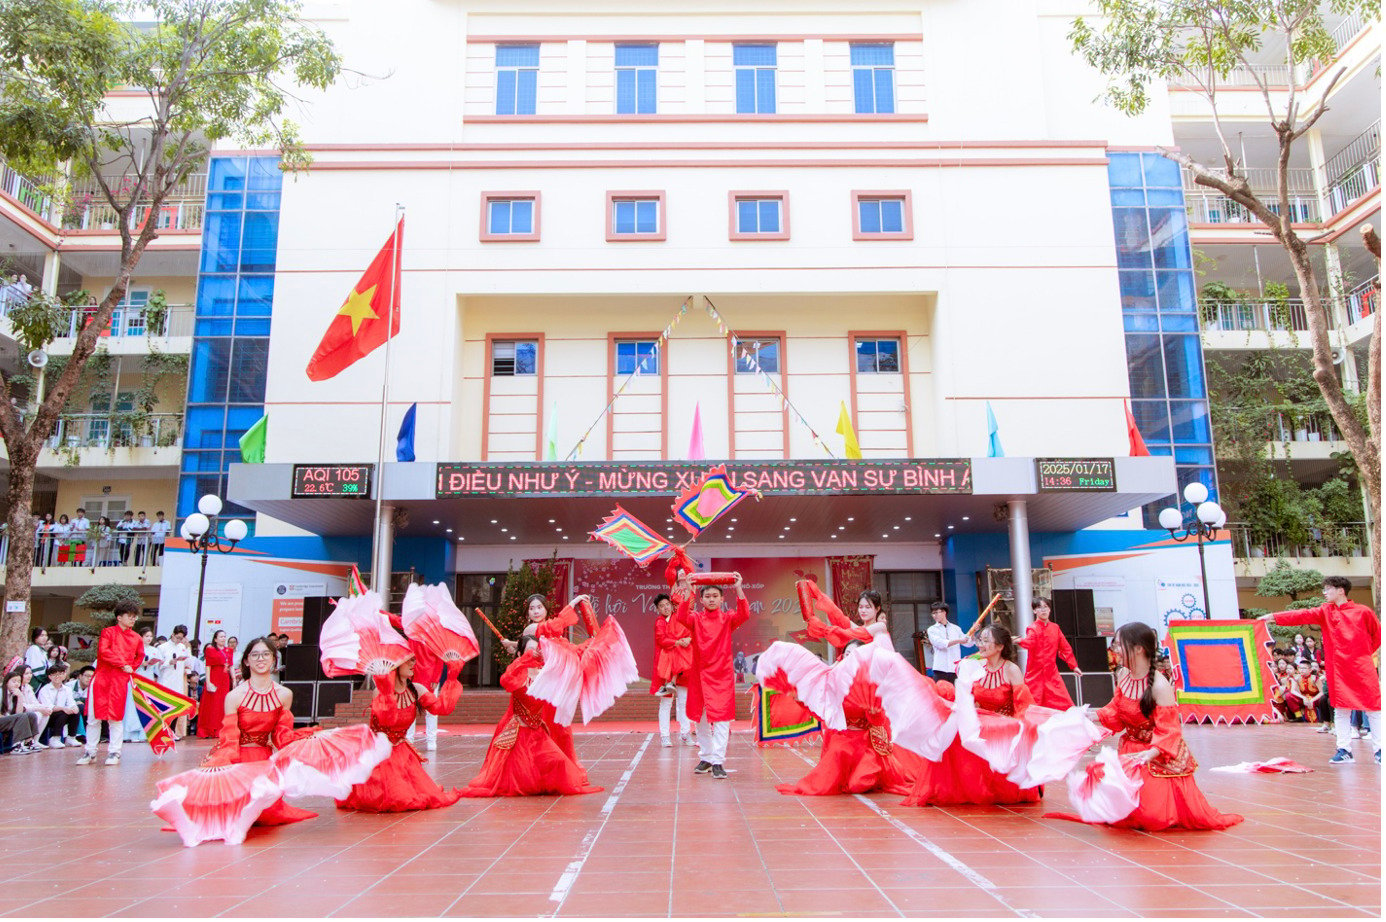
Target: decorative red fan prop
(433, 621)
(357, 639)
(1108, 791)
(328, 763)
(219, 802)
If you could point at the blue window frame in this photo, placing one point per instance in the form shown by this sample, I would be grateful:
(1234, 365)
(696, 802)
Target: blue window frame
(637, 356)
(511, 358)
(759, 215)
(635, 216)
(510, 216)
(517, 79)
(881, 215)
(637, 79)
(873, 76)
(878, 356)
(755, 78)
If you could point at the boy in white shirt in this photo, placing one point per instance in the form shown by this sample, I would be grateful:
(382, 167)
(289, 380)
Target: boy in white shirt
(158, 531)
(142, 537)
(173, 671)
(58, 705)
(80, 526)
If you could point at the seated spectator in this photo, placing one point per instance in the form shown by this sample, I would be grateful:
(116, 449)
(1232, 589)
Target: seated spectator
(79, 686)
(17, 722)
(59, 707)
(36, 656)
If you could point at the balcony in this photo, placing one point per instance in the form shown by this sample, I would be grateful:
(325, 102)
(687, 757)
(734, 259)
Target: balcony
(1337, 551)
(1266, 315)
(1355, 170)
(1364, 300)
(87, 210)
(109, 431)
(1208, 206)
(28, 191)
(74, 567)
(129, 332)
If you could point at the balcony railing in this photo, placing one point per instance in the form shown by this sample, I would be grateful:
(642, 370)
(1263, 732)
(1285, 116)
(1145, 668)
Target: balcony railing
(1234, 316)
(116, 430)
(1270, 75)
(1356, 183)
(1316, 428)
(129, 321)
(1208, 206)
(175, 214)
(27, 190)
(1347, 30)
(99, 547)
(1364, 300)
(1346, 540)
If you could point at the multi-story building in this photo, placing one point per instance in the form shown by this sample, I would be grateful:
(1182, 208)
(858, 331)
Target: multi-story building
(622, 222)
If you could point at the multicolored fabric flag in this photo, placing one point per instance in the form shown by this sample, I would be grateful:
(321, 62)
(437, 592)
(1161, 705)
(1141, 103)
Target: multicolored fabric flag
(355, 584)
(700, 505)
(630, 536)
(368, 317)
(779, 719)
(157, 707)
(1222, 670)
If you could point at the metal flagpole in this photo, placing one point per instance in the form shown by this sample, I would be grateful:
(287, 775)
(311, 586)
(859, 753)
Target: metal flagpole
(379, 541)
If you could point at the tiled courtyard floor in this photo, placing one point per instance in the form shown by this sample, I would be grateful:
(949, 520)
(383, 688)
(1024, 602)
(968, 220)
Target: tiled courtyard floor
(661, 841)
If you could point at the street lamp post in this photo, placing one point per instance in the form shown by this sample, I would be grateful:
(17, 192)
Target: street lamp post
(1208, 518)
(200, 531)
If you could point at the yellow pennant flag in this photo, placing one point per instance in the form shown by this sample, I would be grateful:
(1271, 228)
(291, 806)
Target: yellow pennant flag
(849, 436)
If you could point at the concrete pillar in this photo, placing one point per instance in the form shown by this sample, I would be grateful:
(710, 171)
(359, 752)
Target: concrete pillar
(1020, 564)
(383, 550)
(52, 262)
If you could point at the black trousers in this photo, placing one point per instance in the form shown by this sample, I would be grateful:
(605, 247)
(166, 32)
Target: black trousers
(59, 725)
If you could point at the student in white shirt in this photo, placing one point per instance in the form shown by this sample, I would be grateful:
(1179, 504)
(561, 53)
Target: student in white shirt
(945, 637)
(173, 674)
(59, 710)
(141, 537)
(158, 531)
(80, 526)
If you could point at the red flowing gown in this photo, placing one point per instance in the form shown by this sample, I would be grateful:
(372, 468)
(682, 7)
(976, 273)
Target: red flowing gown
(860, 758)
(1169, 798)
(1045, 642)
(211, 710)
(529, 753)
(400, 782)
(962, 777)
(251, 733)
(116, 648)
(671, 660)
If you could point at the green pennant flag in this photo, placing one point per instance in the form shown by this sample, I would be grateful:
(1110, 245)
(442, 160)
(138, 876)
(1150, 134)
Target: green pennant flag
(253, 443)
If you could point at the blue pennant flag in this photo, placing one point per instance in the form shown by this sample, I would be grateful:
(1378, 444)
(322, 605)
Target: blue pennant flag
(404, 446)
(994, 449)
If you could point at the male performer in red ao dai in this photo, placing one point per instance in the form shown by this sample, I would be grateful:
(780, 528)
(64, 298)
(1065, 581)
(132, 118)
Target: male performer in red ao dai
(712, 684)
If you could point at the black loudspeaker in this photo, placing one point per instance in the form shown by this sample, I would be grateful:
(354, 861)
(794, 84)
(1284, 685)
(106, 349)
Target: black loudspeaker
(303, 698)
(1070, 684)
(1074, 612)
(331, 694)
(1099, 688)
(1064, 613)
(1091, 653)
(316, 608)
(301, 663)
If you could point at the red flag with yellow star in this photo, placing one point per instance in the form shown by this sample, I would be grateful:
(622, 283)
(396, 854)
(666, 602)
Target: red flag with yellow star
(368, 317)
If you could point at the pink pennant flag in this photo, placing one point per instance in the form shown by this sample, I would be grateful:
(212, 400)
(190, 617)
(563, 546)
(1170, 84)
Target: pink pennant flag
(695, 441)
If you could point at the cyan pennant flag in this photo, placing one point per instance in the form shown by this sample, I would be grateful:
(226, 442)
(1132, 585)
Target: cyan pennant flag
(994, 449)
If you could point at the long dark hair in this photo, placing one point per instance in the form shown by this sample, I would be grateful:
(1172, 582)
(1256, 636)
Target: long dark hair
(1137, 636)
(9, 704)
(245, 656)
(1002, 638)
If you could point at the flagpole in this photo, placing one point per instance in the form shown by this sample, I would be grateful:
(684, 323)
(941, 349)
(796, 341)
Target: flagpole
(379, 582)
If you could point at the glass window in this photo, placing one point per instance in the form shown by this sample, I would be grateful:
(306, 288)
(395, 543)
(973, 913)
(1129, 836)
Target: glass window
(881, 215)
(1161, 171)
(250, 358)
(1124, 171)
(510, 216)
(211, 368)
(221, 241)
(1169, 238)
(256, 296)
(1145, 366)
(758, 215)
(227, 174)
(758, 355)
(1184, 365)
(637, 357)
(1152, 419)
(261, 239)
(1137, 290)
(755, 78)
(1132, 238)
(1189, 419)
(873, 77)
(511, 357)
(635, 216)
(878, 356)
(1176, 291)
(637, 73)
(517, 79)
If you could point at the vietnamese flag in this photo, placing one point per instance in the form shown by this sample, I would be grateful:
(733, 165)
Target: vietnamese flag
(1136, 444)
(361, 324)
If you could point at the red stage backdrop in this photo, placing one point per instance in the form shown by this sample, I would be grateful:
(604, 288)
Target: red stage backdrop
(562, 579)
(618, 586)
(851, 575)
(769, 584)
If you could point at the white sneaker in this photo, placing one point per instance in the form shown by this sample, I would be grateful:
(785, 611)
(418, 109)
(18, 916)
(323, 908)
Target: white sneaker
(1365, 734)
(87, 759)
(26, 746)
(1324, 728)
(431, 745)
(55, 744)
(73, 743)
(113, 759)
(665, 742)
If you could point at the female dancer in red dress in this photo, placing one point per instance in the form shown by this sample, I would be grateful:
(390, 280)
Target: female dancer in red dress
(1145, 709)
(258, 721)
(400, 783)
(1045, 643)
(530, 753)
(960, 776)
(862, 757)
(212, 708)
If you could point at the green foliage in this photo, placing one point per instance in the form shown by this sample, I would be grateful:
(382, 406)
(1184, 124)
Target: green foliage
(43, 318)
(520, 583)
(101, 601)
(1285, 580)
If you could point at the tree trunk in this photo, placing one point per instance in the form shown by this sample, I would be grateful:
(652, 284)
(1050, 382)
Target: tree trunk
(19, 566)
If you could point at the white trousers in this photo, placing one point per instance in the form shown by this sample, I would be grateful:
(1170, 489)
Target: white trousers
(1342, 727)
(712, 739)
(667, 704)
(115, 727)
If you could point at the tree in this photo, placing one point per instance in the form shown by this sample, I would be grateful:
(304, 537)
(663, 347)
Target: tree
(520, 583)
(210, 70)
(1138, 44)
(1288, 581)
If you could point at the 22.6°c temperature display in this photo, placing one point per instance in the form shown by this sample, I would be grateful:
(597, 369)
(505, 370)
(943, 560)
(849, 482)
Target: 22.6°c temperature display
(350, 480)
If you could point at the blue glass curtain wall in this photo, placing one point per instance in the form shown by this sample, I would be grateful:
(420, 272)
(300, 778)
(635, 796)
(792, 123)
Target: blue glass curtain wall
(235, 291)
(1159, 306)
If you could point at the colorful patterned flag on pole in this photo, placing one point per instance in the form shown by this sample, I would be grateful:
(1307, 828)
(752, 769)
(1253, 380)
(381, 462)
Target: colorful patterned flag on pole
(630, 536)
(157, 707)
(355, 584)
(700, 505)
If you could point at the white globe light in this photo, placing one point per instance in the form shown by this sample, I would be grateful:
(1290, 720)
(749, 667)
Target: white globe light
(1209, 513)
(197, 525)
(185, 534)
(1195, 493)
(1170, 519)
(211, 504)
(236, 529)
(1222, 518)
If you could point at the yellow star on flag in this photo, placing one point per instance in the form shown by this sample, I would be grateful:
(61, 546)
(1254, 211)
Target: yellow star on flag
(358, 307)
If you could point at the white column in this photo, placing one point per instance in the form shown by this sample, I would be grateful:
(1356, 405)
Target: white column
(384, 548)
(1020, 564)
(52, 262)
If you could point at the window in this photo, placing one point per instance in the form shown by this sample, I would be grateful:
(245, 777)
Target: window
(878, 356)
(509, 216)
(758, 216)
(635, 216)
(637, 356)
(873, 77)
(755, 78)
(756, 356)
(517, 79)
(511, 357)
(881, 216)
(637, 70)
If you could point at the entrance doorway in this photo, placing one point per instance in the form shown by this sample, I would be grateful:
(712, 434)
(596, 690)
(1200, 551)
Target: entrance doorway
(908, 593)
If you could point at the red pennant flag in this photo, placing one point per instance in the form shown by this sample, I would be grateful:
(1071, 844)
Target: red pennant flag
(1133, 435)
(368, 317)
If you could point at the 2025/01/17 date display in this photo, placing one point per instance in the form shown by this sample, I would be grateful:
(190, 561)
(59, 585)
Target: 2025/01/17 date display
(349, 480)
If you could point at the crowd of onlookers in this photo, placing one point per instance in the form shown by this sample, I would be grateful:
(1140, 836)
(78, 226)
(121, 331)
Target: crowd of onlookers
(14, 290)
(43, 704)
(132, 539)
(1301, 687)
